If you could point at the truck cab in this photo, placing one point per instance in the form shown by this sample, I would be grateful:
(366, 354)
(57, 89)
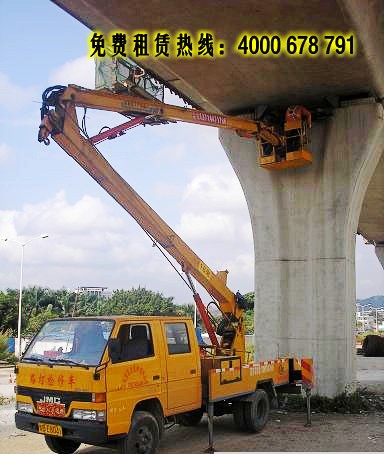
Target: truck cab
(108, 380)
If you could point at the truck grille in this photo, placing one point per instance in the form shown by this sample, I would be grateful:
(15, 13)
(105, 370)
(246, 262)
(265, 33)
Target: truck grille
(66, 397)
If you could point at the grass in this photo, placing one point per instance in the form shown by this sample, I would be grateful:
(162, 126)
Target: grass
(358, 402)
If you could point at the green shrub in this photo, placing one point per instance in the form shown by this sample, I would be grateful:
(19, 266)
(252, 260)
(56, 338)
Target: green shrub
(356, 402)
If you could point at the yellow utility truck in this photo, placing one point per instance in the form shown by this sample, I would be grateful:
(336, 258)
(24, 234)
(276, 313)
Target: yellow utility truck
(120, 380)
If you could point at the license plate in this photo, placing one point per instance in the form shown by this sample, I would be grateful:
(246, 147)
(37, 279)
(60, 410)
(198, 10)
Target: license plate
(50, 409)
(50, 429)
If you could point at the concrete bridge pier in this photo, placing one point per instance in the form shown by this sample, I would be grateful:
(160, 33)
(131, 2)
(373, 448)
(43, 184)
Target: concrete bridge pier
(304, 223)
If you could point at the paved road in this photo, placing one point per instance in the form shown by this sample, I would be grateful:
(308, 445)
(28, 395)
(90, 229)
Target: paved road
(7, 385)
(370, 373)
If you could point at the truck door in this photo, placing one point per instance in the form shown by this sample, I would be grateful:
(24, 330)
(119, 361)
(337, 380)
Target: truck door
(183, 367)
(134, 374)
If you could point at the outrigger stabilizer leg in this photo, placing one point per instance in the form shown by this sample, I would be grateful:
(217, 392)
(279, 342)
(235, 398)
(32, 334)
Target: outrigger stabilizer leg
(308, 397)
(210, 448)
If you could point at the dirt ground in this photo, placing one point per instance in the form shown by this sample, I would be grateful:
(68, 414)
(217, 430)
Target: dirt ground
(284, 431)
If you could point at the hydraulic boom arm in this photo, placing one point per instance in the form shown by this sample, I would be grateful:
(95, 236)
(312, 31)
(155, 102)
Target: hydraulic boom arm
(128, 104)
(62, 124)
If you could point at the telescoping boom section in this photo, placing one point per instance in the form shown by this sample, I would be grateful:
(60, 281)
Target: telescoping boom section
(62, 124)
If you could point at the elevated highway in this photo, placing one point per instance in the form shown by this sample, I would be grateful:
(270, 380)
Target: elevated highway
(305, 220)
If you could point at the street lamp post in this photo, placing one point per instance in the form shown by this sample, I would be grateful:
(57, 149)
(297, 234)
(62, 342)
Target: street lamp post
(21, 284)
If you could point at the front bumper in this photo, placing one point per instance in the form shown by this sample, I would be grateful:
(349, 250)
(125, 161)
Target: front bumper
(92, 433)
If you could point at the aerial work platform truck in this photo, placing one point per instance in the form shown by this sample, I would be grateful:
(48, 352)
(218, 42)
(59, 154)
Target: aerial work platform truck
(119, 381)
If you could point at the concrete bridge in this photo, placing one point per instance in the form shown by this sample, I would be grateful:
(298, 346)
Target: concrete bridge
(305, 220)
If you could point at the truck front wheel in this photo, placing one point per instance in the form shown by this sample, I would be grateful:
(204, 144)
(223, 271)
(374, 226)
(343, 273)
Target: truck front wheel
(61, 445)
(143, 437)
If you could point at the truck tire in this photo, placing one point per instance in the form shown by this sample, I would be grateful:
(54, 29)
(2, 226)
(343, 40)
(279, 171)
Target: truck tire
(61, 445)
(192, 418)
(238, 415)
(143, 436)
(256, 411)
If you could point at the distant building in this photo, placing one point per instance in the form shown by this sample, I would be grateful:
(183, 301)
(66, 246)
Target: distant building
(367, 317)
(100, 292)
(364, 320)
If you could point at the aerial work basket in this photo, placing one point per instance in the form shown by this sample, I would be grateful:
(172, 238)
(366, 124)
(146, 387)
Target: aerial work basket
(294, 151)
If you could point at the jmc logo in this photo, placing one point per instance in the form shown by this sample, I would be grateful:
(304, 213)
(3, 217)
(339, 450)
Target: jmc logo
(50, 400)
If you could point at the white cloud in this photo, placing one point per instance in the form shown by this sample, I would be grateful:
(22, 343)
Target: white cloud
(212, 226)
(80, 71)
(215, 222)
(88, 244)
(214, 210)
(87, 215)
(5, 152)
(14, 97)
(241, 276)
(215, 188)
(78, 232)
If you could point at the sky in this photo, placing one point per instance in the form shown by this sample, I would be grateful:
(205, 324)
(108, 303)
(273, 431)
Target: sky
(180, 170)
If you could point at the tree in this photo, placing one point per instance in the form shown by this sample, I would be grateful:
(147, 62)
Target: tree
(87, 304)
(9, 310)
(40, 304)
(250, 300)
(66, 300)
(139, 301)
(249, 322)
(186, 310)
(37, 320)
(249, 312)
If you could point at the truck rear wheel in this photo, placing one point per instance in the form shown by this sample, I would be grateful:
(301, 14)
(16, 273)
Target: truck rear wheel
(192, 418)
(143, 437)
(256, 411)
(61, 445)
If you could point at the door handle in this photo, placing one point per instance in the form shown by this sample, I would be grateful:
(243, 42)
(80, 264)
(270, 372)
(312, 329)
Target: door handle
(193, 371)
(156, 377)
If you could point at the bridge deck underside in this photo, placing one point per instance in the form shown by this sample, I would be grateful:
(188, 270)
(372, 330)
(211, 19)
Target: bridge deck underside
(235, 82)
(238, 84)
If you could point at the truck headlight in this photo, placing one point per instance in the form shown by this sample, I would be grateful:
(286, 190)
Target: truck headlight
(89, 415)
(23, 406)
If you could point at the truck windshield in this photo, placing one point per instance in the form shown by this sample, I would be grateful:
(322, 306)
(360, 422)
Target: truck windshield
(71, 342)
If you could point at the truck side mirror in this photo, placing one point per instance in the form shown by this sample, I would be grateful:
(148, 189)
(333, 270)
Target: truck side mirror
(114, 350)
